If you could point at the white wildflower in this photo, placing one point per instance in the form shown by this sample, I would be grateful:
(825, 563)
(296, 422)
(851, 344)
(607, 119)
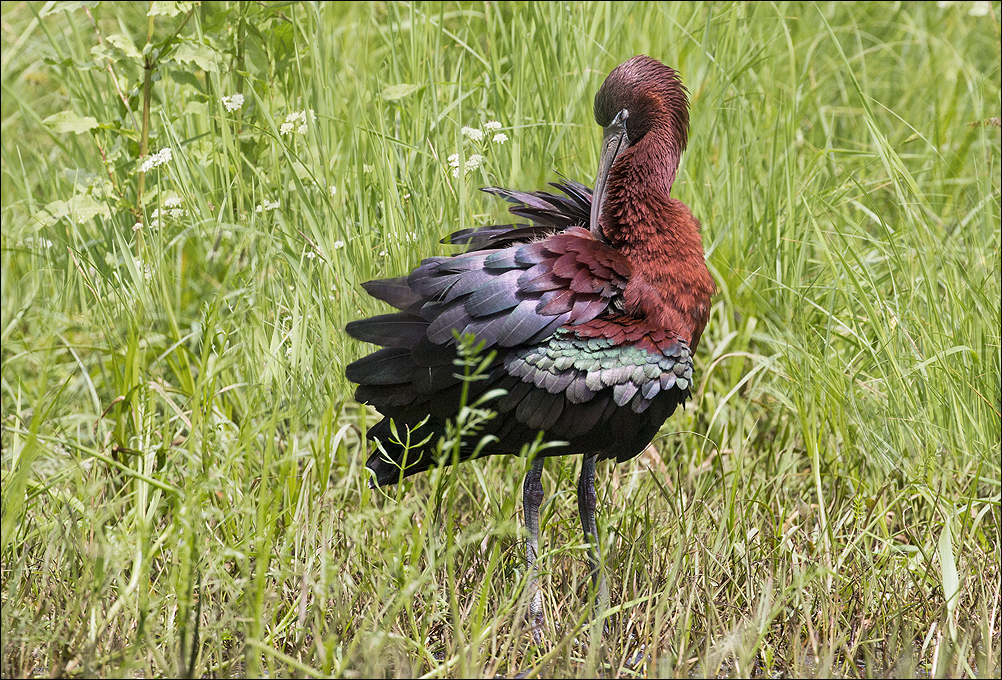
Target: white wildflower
(311, 255)
(161, 157)
(492, 125)
(473, 162)
(288, 352)
(454, 164)
(137, 226)
(164, 156)
(338, 244)
(233, 102)
(259, 208)
(172, 202)
(500, 138)
(333, 190)
(313, 116)
(383, 253)
(295, 121)
(154, 224)
(145, 268)
(473, 133)
(980, 9)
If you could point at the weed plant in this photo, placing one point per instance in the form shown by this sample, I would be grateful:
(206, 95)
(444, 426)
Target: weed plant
(193, 193)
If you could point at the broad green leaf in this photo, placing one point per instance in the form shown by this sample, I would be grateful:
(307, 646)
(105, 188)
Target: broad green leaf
(69, 121)
(168, 9)
(203, 57)
(395, 92)
(951, 582)
(196, 108)
(78, 209)
(57, 7)
(102, 52)
(185, 78)
(125, 45)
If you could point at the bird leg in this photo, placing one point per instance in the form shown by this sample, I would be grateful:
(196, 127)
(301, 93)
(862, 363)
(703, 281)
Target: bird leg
(587, 501)
(532, 498)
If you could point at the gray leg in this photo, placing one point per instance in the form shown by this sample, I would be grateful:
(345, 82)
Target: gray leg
(587, 501)
(532, 498)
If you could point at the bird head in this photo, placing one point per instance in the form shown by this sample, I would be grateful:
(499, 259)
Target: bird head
(641, 101)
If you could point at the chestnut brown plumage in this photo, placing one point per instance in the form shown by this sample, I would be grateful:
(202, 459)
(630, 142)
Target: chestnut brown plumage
(594, 309)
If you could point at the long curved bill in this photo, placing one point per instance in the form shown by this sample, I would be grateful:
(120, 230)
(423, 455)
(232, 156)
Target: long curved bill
(614, 142)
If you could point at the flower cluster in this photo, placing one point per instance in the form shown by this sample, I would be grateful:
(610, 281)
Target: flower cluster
(145, 267)
(233, 102)
(296, 121)
(268, 205)
(490, 126)
(494, 126)
(476, 135)
(473, 133)
(472, 163)
(173, 206)
(157, 159)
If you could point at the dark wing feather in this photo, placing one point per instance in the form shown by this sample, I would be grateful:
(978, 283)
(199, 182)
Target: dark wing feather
(389, 330)
(541, 296)
(467, 292)
(382, 367)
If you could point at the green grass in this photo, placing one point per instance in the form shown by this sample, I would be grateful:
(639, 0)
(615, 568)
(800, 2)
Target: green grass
(183, 481)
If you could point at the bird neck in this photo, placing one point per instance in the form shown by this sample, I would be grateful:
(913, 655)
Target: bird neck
(655, 158)
(671, 285)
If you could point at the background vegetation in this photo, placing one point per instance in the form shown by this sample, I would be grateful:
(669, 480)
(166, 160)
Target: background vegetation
(183, 482)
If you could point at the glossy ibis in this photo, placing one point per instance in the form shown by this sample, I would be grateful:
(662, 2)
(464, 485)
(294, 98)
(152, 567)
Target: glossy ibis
(593, 309)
